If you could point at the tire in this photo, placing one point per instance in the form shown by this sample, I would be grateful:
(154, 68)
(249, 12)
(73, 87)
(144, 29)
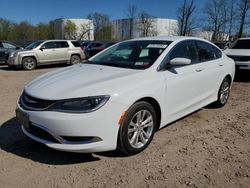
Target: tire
(133, 136)
(29, 63)
(75, 59)
(223, 93)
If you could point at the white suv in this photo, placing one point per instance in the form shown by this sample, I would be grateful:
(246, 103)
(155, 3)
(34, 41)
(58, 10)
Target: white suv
(240, 53)
(47, 52)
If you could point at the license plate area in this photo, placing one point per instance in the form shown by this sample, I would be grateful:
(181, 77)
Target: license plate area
(22, 118)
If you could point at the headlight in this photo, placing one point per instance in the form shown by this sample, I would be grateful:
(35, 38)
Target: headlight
(80, 105)
(13, 54)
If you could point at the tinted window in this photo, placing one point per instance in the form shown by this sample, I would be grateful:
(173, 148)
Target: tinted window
(49, 45)
(185, 50)
(76, 43)
(1, 45)
(62, 44)
(205, 51)
(241, 44)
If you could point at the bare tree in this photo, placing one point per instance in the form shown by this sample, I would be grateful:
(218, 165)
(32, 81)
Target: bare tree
(244, 6)
(217, 17)
(85, 31)
(131, 13)
(146, 24)
(185, 19)
(231, 15)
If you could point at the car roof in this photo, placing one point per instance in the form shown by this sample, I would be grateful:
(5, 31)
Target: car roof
(167, 38)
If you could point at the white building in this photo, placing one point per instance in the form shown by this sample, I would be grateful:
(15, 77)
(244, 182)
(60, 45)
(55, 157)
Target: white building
(84, 29)
(158, 27)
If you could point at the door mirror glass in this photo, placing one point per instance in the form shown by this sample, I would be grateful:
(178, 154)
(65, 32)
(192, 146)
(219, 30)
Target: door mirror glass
(180, 61)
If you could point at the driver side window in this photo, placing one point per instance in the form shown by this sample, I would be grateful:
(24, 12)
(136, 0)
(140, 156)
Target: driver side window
(186, 49)
(49, 45)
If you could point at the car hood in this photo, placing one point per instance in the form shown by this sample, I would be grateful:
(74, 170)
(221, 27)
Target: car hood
(81, 80)
(237, 52)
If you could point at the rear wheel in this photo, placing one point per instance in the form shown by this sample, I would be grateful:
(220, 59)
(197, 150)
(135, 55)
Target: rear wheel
(28, 63)
(75, 59)
(223, 93)
(137, 128)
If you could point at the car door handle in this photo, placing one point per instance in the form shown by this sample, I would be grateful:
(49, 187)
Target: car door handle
(220, 65)
(199, 69)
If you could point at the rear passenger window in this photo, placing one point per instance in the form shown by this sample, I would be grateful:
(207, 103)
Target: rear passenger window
(62, 44)
(185, 50)
(205, 51)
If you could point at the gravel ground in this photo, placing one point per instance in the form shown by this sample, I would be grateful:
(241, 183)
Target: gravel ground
(209, 148)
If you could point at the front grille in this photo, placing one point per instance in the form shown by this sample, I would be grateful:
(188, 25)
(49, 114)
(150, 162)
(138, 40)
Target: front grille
(31, 103)
(40, 133)
(240, 58)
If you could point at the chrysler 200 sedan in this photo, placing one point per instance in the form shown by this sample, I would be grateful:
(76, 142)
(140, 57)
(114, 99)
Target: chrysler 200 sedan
(121, 96)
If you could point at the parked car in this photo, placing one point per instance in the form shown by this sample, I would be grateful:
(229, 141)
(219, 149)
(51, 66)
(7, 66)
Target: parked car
(94, 50)
(47, 52)
(240, 53)
(121, 96)
(95, 44)
(6, 48)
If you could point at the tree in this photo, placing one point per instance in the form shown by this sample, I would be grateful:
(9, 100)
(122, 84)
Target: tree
(70, 30)
(5, 29)
(23, 32)
(85, 31)
(41, 31)
(185, 19)
(131, 13)
(231, 20)
(216, 12)
(146, 24)
(244, 6)
(102, 26)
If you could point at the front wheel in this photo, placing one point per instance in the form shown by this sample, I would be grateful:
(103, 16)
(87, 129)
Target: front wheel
(137, 128)
(29, 63)
(223, 93)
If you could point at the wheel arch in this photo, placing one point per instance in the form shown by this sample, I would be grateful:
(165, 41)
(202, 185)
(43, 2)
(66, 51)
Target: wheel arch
(156, 107)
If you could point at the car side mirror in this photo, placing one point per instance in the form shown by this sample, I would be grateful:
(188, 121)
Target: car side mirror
(180, 61)
(42, 48)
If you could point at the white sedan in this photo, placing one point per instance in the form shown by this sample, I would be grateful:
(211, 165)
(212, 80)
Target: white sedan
(121, 96)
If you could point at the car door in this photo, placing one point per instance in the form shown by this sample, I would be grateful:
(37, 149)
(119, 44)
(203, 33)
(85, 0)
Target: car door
(212, 67)
(185, 85)
(62, 51)
(47, 53)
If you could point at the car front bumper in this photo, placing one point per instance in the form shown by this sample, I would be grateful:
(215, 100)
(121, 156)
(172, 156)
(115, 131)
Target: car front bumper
(83, 132)
(13, 61)
(243, 65)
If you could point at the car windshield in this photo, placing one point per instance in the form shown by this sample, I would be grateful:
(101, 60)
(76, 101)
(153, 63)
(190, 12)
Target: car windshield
(131, 54)
(33, 45)
(241, 44)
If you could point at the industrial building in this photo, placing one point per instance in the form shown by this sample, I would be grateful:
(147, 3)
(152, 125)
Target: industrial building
(84, 29)
(123, 29)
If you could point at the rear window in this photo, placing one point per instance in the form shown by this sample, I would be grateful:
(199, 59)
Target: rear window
(76, 43)
(241, 44)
